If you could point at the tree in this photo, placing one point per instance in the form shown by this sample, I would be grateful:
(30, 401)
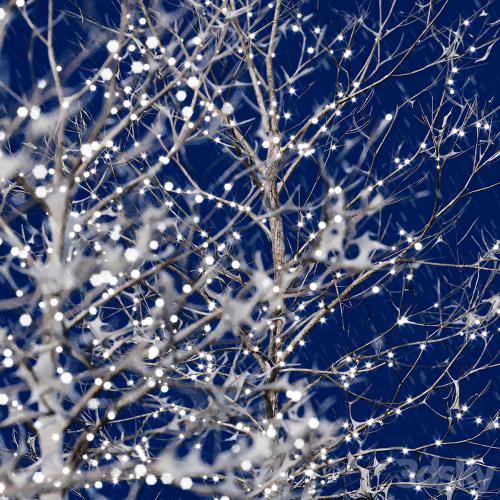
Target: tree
(239, 249)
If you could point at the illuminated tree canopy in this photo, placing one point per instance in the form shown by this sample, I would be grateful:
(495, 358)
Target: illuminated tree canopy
(248, 249)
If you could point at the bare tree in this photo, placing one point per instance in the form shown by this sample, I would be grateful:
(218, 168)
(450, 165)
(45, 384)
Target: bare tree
(235, 252)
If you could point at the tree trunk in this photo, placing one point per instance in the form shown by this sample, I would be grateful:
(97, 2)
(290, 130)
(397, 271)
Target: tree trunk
(278, 252)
